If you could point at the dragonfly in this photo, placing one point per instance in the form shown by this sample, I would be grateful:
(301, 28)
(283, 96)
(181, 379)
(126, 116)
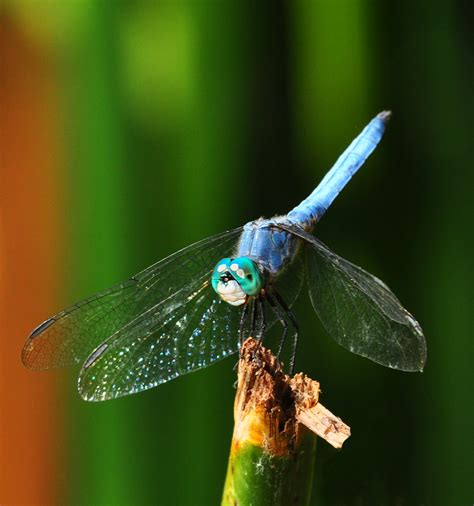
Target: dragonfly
(193, 308)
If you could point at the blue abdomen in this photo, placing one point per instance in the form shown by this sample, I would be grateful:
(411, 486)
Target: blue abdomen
(308, 213)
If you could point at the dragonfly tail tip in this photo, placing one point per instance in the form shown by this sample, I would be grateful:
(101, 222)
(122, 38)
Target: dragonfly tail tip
(384, 115)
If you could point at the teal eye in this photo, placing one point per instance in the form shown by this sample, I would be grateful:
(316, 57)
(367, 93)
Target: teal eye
(243, 270)
(246, 273)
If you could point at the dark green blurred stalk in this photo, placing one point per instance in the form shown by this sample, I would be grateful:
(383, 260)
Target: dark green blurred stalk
(446, 252)
(97, 221)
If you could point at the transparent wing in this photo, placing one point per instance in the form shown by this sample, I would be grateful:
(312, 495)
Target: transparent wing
(71, 335)
(359, 311)
(191, 330)
(194, 329)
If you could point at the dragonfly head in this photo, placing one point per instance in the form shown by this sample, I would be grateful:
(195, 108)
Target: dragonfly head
(235, 279)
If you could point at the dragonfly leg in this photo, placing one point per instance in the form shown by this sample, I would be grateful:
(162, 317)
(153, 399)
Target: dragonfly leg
(253, 323)
(260, 324)
(243, 317)
(281, 318)
(293, 320)
(261, 319)
(254, 319)
(257, 324)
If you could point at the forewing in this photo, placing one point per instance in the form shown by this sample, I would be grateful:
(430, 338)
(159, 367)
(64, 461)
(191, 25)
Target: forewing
(359, 311)
(191, 330)
(71, 335)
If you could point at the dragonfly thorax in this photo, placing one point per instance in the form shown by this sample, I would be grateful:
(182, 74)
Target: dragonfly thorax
(236, 279)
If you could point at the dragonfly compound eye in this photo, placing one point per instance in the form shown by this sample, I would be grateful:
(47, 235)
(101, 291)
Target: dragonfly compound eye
(235, 279)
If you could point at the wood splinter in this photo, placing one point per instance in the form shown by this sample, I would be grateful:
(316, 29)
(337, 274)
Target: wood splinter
(273, 444)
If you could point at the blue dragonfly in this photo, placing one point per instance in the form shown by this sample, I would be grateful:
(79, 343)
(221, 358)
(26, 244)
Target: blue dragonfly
(187, 311)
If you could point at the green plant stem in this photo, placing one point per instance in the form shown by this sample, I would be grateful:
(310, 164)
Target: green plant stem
(274, 441)
(256, 476)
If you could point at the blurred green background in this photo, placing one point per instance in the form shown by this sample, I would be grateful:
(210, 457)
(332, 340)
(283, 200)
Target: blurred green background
(160, 109)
